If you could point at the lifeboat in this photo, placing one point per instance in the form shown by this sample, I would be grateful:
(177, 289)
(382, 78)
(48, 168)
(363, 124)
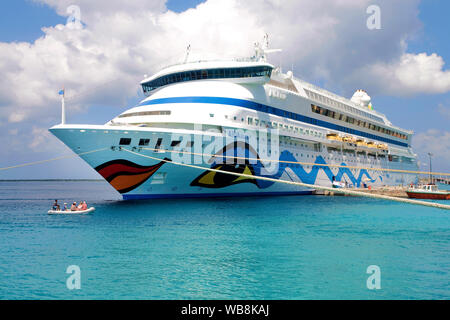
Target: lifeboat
(346, 139)
(383, 147)
(334, 137)
(361, 143)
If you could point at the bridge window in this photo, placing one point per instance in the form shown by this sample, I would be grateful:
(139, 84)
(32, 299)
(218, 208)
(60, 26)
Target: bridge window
(146, 113)
(220, 73)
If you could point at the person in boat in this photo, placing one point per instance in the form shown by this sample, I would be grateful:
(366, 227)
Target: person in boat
(56, 205)
(84, 206)
(73, 207)
(65, 206)
(80, 206)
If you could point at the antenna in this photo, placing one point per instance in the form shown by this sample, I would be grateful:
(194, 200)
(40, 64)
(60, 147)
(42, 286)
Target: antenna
(188, 50)
(262, 50)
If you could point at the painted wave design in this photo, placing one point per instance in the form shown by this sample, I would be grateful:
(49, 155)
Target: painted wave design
(210, 179)
(125, 175)
(311, 176)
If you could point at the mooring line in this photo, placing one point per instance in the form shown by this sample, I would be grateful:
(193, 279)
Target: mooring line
(297, 162)
(310, 186)
(49, 160)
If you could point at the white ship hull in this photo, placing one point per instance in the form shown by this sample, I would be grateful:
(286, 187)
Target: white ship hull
(139, 175)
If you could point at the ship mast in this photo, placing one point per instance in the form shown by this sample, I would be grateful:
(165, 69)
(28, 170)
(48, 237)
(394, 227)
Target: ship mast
(63, 107)
(262, 50)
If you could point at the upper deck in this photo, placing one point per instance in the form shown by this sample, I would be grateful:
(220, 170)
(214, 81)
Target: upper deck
(182, 83)
(240, 71)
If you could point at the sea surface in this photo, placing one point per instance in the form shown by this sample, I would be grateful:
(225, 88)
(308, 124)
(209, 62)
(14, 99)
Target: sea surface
(295, 247)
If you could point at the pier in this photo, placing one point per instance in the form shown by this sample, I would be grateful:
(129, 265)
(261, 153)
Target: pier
(391, 191)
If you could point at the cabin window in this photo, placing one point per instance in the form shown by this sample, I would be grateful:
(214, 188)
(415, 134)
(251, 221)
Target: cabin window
(125, 141)
(175, 143)
(359, 123)
(158, 143)
(144, 142)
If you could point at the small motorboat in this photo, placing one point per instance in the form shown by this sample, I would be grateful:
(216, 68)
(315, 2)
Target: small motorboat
(428, 191)
(337, 184)
(70, 212)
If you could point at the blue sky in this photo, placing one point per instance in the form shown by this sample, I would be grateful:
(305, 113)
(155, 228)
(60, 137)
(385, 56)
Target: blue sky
(22, 20)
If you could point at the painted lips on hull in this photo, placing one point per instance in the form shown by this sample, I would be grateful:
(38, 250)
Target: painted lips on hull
(125, 175)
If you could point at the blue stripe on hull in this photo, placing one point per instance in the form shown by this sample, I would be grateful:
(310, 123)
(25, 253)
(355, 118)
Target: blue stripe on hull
(271, 110)
(210, 195)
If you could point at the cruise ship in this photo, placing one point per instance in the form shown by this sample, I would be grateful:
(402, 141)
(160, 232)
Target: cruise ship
(243, 116)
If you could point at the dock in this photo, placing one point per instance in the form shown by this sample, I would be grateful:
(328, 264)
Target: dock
(391, 191)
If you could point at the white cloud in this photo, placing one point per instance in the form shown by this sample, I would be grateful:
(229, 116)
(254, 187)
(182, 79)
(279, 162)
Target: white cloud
(413, 74)
(94, 10)
(121, 41)
(438, 143)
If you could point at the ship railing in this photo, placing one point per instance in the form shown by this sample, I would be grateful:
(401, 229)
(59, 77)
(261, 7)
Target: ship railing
(343, 100)
(350, 103)
(234, 59)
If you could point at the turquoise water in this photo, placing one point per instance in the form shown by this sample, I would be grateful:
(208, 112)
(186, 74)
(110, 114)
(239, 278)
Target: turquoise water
(296, 247)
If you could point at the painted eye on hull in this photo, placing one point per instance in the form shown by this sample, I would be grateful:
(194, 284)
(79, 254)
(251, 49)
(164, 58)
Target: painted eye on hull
(241, 164)
(211, 179)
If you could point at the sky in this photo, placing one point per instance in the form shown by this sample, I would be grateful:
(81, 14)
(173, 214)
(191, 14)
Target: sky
(100, 61)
